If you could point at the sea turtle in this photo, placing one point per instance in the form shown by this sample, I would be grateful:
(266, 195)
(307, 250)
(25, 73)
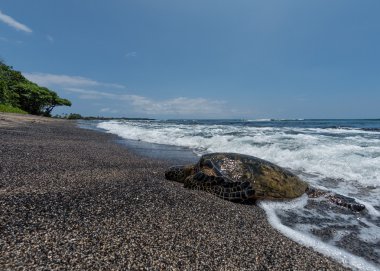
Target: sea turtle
(239, 177)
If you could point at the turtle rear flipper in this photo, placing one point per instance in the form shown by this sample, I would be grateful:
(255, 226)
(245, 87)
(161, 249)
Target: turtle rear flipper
(220, 186)
(337, 199)
(346, 202)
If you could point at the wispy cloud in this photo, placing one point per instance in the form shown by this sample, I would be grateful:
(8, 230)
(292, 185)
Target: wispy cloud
(4, 39)
(13, 23)
(183, 106)
(50, 38)
(51, 80)
(90, 94)
(130, 54)
(89, 89)
(108, 110)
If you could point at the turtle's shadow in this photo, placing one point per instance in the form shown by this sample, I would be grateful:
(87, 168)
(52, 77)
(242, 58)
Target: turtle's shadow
(245, 202)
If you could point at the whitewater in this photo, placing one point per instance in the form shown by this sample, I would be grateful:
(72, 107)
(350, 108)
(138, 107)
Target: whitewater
(342, 156)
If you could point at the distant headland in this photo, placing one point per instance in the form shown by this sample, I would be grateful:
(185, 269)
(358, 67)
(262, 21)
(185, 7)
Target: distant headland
(75, 116)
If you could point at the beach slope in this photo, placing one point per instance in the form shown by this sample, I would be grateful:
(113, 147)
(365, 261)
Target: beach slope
(75, 199)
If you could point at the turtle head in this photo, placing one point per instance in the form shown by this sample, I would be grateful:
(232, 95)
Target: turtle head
(179, 173)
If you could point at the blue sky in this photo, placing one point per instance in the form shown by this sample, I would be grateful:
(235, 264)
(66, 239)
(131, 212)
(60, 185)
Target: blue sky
(200, 59)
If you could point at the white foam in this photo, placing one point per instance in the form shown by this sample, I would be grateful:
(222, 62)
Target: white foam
(339, 255)
(259, 120)
(371, 210)
(344, 160)
(371, 234)
(311, 150)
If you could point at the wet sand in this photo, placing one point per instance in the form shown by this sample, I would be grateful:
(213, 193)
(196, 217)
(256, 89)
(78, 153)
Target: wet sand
(74, 199)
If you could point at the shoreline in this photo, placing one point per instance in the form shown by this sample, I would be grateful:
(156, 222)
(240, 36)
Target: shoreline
(75, 198)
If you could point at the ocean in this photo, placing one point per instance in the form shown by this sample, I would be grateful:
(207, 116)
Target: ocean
(341, 156)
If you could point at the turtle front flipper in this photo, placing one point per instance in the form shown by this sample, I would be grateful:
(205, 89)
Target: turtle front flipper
(337, 199)
(220, 186)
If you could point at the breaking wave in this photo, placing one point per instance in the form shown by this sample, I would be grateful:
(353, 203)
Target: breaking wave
(338, 155)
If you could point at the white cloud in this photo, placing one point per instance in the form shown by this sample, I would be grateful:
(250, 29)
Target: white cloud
(89, 89)
(47, 79)
(180, 106)
(130, 54)
(51, 80)
(183, 106)
(90, 94)
(108, 110)
(13, 23)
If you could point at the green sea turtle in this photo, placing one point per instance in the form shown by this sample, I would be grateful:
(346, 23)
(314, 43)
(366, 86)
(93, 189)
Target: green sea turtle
(239, 177)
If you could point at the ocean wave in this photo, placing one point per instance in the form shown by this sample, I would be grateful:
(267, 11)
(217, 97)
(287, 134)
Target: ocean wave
(349, 155)
(342, 160)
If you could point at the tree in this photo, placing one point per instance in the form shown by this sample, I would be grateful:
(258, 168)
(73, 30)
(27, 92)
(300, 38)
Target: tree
(74, 116)
(54, 101)
(17, 91)
(3, 92)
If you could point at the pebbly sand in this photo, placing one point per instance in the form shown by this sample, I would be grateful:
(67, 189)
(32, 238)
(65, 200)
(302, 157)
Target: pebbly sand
(74, 199)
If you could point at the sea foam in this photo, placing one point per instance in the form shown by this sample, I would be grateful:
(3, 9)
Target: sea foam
(341, 160)
(316, 151)
(345, 258)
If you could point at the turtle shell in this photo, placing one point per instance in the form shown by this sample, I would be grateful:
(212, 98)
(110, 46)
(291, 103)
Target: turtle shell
(268, 180)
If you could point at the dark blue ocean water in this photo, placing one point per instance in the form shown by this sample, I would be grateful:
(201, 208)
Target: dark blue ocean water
(365, 124)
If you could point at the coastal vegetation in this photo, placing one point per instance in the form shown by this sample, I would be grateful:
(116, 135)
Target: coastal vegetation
(76, 116)
(10, 109)
(19, 95)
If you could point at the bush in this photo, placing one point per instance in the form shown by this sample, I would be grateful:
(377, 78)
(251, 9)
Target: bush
(11, 109)
(74, 116)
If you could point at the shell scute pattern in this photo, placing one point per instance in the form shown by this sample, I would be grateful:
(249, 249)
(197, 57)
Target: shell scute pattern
(239, 177)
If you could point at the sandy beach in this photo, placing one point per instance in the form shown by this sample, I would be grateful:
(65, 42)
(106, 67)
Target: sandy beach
(75, 199)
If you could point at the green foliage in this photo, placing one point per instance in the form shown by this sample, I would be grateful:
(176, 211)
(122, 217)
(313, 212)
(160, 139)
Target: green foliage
(11, 109)
(74, 116)
(17, 91)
